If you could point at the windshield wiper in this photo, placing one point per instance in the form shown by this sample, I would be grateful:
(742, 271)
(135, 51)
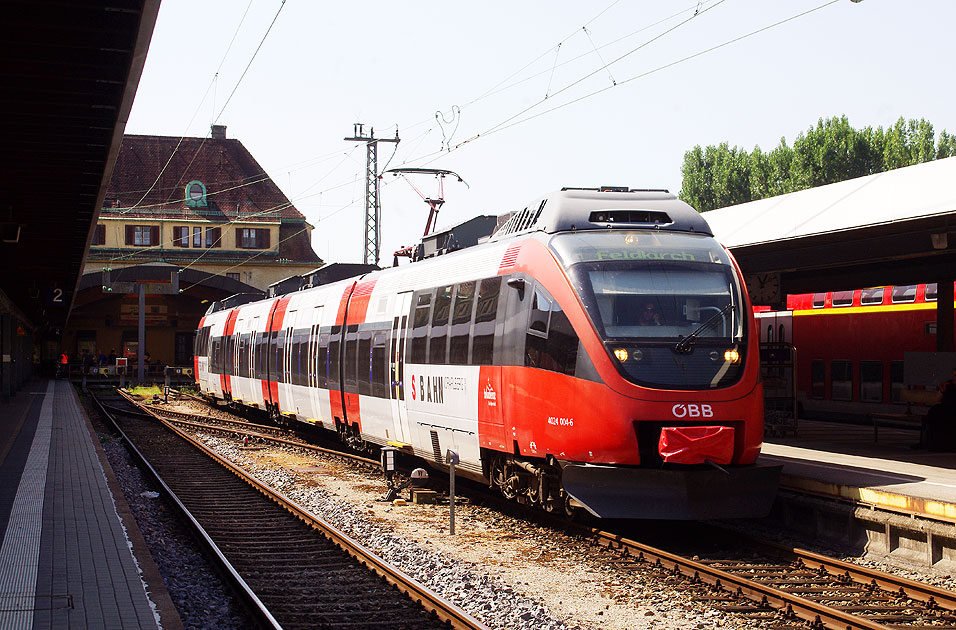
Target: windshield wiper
(685, 343)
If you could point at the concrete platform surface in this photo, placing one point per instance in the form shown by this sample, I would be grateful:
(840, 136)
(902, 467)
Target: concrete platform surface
(843, 460)
(66, 558)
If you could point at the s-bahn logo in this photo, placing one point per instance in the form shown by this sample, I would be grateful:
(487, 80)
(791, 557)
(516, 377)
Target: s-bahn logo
(681, 410)
(490, 395)
(428, 388)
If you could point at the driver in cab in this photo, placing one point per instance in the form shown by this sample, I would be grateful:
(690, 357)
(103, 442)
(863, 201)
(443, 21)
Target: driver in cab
(649, 315)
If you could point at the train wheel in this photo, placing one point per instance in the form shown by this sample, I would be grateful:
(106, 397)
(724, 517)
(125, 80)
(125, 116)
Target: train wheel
(274, 415)
(502, 479)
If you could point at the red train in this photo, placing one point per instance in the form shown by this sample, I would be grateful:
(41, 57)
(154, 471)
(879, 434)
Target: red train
(597, 352)
(850, 345)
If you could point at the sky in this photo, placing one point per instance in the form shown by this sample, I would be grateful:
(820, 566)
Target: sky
(523, 98)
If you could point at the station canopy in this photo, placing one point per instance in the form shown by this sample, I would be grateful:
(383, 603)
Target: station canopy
(895, 227)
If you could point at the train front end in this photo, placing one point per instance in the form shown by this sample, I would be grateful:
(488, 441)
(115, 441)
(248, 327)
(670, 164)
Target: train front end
(672, 423)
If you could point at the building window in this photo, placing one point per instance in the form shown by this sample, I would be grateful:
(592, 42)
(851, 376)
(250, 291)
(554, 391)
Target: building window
(197, 237)
(252, 238)
(181, 236)
(213, 237)
(233, 276)
(142, 235)
(99, 235)
(196, 194)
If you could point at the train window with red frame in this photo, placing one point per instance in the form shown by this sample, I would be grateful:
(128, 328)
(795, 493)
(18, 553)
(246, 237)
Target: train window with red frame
(842, 298)
(930, 293)
(904, 294)
(841, 380)
(818, 379)
(819, 300)
(871, 381)
(551, 342)
(418, 353)
(438, 335)
(461, 319)
(896, 381)
(486, 313)
(871, 297)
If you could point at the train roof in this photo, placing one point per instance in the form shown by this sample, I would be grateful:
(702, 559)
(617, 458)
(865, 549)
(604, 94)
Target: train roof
(608, 207)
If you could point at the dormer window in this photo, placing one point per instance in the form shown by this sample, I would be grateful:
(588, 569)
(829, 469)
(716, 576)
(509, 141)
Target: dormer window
(196, 194)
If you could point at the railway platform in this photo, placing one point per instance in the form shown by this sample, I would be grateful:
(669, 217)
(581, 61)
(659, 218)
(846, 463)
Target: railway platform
(885, 497)
(71, 554)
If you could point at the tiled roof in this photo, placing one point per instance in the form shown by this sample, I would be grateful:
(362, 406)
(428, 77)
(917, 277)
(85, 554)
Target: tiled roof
(237, 188)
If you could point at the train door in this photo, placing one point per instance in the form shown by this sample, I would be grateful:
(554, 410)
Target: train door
(317, 369)
(396, 363)
(289, 404)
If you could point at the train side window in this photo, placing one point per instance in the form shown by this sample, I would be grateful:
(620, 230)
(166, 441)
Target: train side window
(379, 363)
(841, 380)
(278, 355)
(930, 294)
(819, 300)
(818, 379)
(351, 358)
(243, 363)
(904, 294)
(871, 297)
(551, 342)
(871, 381)
(335, 344)
(562, 341)
(769, 333)
(363, 362)
(842, 298)
(781, 334)
(300, 357)
(322, 362)
(419, 349)
(214, 358)
(896, 381)
(460, 331)
(486, 312)
(438, 335)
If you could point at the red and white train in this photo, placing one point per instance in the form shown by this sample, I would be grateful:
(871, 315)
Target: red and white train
(850, 345)
(527, 355)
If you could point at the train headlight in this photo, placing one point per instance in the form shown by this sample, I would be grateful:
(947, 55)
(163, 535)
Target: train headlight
(732, 356)
(621, 354)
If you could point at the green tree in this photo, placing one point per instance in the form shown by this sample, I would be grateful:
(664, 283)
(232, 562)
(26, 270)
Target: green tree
(832, 151)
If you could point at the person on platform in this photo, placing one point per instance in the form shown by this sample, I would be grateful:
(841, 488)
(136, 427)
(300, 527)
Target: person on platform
(64, 366)
(111, 360)
(88, 361)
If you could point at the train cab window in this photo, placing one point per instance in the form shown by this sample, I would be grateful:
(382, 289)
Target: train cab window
(904, 294)
(551, 342)
(418, 352)
(841, 380)
(486, 312)
(438, 335)
(871, 297)
(842, 298)
(462, 315)
(896, 381)
(819, 300)
(818, 379)
(871, 381)
(930, 294)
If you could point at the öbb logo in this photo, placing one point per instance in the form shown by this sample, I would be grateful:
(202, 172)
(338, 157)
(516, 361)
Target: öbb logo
(681, 410)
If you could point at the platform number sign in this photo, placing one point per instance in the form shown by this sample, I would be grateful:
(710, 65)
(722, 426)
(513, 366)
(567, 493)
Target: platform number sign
(56, 297)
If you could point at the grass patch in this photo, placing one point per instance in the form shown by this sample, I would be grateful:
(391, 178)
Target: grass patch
(146, 391)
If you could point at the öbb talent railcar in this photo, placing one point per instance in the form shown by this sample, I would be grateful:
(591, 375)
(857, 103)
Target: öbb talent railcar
(598, 351)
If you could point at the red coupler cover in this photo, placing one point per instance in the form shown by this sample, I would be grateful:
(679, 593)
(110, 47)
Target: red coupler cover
(695, 445)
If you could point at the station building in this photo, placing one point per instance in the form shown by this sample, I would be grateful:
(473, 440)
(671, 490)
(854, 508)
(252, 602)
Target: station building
(189, 221)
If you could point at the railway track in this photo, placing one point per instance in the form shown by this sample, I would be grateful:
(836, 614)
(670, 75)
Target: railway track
(293, 569)
(783, 587)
